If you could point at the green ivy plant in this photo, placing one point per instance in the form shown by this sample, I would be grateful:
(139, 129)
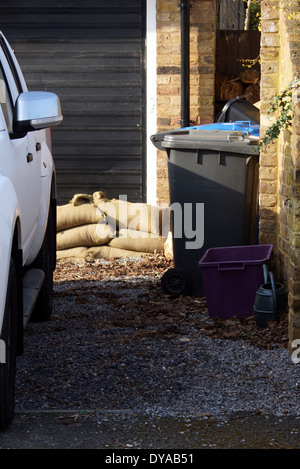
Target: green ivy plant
(281, 104)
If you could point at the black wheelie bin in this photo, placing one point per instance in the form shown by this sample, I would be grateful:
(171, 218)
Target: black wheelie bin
(213, 184)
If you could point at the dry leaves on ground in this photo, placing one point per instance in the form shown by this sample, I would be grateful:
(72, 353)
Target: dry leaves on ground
(156, 313)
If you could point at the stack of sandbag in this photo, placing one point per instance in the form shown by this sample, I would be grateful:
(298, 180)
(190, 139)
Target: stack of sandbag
(92, 226)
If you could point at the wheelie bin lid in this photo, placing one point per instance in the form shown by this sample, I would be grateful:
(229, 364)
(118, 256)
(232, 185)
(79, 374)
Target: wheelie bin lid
(228, 141)
(244, 127)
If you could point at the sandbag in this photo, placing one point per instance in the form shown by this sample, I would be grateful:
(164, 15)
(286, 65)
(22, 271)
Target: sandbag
(85, 209)
(72, 253)
(135, 240)
(100, 252)
(136, 216)
(95, 252)
(69, 215)
(86, 235)
(79, 199)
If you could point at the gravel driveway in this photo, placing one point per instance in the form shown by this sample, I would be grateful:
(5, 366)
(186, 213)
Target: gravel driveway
(117, 342)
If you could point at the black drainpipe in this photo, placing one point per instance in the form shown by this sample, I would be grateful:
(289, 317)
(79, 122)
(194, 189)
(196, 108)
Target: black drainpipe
(185, 62)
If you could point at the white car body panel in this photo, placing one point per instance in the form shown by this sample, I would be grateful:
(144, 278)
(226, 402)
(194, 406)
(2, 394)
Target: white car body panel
(26, 173)
(27, 215)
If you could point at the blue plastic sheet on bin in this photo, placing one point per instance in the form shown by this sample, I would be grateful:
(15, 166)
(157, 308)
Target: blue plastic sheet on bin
(242, 126)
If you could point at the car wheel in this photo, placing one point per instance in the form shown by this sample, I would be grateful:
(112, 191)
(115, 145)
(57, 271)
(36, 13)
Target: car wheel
(43, 307)
(176, 281)
(8, 351)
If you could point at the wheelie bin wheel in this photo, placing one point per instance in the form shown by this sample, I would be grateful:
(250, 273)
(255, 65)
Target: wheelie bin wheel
(176, 281)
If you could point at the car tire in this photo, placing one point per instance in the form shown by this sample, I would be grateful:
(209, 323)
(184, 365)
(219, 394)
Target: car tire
(44, 304)
(9, 345)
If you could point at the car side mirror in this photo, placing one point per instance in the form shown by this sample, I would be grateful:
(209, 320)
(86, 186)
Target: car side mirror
(35, 110)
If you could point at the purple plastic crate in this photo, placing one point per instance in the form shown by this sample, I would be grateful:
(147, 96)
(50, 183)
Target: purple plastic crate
(231, 277)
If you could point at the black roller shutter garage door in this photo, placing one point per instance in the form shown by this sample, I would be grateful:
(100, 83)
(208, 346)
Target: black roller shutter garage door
(91, 54)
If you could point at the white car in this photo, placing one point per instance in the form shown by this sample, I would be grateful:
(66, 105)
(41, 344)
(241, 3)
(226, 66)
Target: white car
(27, 215)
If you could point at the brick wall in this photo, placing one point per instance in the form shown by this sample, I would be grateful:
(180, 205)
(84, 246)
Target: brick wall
(279, 184)
(268, 184)
(202, 71)
(280, 162)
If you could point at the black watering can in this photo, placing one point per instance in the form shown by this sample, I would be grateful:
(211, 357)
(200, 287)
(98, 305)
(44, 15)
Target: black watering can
(270, 300)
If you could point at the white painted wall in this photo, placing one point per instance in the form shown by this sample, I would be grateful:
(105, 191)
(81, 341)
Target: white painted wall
(151, 100)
